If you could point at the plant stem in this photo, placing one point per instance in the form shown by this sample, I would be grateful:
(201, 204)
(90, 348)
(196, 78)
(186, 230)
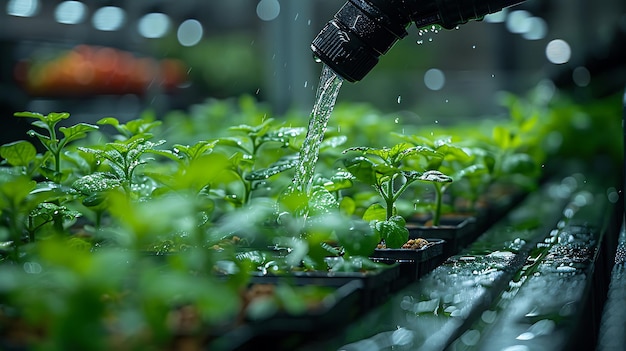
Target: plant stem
(390, 198)
(438, 200)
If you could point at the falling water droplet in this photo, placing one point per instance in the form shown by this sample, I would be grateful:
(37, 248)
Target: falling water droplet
(420, 42)
(430, 39)
(436, 121)
(399, 98)
(396, 120)
(257, 91)
(306, 82)
(473, 46)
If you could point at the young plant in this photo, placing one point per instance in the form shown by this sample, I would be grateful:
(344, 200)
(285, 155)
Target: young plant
(452, 162)
(51, 141)
(249, 144)
(384, 169)
(47, 199)
(124, 155)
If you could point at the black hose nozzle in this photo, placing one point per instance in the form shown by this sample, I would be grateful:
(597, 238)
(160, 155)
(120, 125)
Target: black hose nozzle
(363, 30)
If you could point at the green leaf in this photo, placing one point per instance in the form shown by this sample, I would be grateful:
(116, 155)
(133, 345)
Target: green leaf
(141, 126)
(358, 240)
(96, 182)
(237, 142)
(13, 190)
(375, 212)
(42, 125)
(165, 153)
(49, 120)
(502, 137)
(77, 131)
(321, 201)
(94, 200)
(347, 205)
(282, 135)
(112, 121)
(51, 210)
(55, 117)
(411, 176)
(196, 150)
(333, 142)
(18, 153)
(284, 164)
(339, 181)
(29, 115)
(392, 231)
(362, 169)
(257, 130)
(416, 151)
(435, 176)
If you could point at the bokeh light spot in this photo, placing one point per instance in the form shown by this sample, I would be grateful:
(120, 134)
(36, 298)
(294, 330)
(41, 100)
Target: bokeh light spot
(558, 51)
(434, 79)
(518, 21)
(268, 10)
(537, 29)
(153, 25)
(70, 12)
(189, 32)
(108, 18)
(22, 8)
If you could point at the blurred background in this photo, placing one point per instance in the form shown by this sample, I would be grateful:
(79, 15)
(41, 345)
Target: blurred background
(96, 58)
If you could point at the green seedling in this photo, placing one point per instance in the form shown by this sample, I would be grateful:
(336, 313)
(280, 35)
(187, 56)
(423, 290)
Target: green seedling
(384, 169)
(451, 162)
(51, 141)
(124, 157)
(253, 148)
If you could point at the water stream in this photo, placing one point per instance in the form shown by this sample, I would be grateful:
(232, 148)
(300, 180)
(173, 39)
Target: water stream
(325, 98)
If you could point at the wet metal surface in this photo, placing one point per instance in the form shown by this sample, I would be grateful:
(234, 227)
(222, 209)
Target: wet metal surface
(520, 286)
(612, 334)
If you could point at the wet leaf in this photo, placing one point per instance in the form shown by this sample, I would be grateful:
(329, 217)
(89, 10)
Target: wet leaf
(362, 169)
(96, 182)
(392, 231)
(76, 131)
(284, 164)
(435, 176)
(333, 142)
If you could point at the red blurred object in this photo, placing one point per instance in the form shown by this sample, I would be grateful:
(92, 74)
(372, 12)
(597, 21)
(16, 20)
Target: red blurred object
(91, 70)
